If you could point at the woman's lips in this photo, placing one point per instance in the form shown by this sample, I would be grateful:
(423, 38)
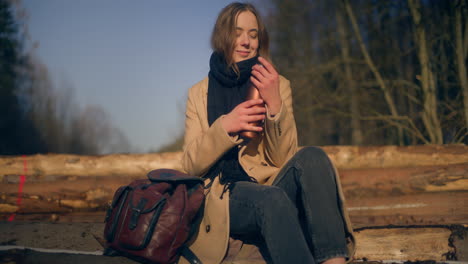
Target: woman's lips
(243, 53)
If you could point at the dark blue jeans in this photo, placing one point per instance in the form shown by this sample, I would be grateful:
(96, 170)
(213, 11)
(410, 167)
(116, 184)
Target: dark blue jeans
(298, 218)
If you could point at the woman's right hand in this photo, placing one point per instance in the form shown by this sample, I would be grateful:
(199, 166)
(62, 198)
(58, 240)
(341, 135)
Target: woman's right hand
(244, 116)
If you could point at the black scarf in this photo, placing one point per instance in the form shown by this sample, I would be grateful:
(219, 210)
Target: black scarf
(227, 89)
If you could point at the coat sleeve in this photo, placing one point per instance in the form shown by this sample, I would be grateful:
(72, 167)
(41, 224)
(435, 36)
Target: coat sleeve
(203, 147)
(280, 130)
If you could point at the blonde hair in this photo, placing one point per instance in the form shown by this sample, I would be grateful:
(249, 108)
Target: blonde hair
(223, 37)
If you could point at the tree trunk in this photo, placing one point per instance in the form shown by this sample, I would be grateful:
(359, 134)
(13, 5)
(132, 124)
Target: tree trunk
(461, 53)
(388, 97)
(429, 115)
(356, 130)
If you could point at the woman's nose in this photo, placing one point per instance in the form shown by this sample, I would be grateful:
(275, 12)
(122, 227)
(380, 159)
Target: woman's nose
(244, 41)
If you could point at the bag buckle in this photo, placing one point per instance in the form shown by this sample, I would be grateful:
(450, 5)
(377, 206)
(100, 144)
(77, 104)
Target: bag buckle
(136, 213)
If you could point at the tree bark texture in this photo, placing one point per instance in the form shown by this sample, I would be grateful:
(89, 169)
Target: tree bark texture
(461, 54)
(429, 116)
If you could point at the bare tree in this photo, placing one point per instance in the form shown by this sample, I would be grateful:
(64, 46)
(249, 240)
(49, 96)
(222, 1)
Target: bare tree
(392, 54)
(461, 47)
(356, 130)
(386, 91)
(428, 83)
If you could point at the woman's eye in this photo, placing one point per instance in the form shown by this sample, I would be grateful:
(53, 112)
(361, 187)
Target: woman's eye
(253, 35)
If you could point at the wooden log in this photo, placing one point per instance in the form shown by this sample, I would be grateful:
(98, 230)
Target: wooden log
(344, 157)
(361, 183)
(416, 209)
(406, 244)
(356, 183)
(352, 157)
(64, 184)
(379, 198)
(59, 165)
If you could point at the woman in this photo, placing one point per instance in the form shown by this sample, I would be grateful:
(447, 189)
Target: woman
(261, 187)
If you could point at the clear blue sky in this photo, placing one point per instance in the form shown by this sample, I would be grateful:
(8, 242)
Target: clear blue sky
(135, 59)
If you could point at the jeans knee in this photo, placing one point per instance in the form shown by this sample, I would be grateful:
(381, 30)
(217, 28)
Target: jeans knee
(276, 201)
(313, 154)
(316, 168)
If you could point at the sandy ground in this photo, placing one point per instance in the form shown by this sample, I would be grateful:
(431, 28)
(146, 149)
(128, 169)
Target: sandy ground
(47, 243)
(34, 257)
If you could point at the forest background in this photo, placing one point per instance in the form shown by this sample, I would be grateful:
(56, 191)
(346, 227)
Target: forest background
(363, 73)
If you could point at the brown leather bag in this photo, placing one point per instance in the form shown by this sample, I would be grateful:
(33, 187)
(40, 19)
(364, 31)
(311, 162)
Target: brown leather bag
(151, 220)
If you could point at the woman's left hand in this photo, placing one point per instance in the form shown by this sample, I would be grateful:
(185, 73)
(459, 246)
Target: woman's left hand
(266, 79)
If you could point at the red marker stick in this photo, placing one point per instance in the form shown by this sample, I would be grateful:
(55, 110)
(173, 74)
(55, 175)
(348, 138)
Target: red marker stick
(20, 187)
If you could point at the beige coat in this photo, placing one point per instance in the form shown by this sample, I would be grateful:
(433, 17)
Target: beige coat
(262, 158)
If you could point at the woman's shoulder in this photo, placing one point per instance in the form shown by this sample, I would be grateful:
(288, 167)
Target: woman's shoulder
(201, 84)
(283, 81)
(199, 88)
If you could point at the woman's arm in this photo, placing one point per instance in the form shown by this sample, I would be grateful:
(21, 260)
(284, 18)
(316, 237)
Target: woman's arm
(203, 148)
(280, 127)
(280, 130)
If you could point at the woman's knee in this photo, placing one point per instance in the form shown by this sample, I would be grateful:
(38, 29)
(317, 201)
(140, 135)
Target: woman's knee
(276, 201)
(312, 155)
(317, 169)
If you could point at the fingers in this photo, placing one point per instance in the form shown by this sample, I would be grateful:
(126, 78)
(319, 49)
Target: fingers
(251, 118)
(255, 82)
(254, 128)
(252, 102)
(247, 116)
(264, 75)
(255, 110)
(254, 118)
(259, 73)
(267, 65)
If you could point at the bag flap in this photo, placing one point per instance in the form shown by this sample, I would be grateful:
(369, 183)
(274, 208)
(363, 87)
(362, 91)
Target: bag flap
(169, 175)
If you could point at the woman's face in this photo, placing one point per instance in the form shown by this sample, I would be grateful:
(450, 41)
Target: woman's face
(246, 45)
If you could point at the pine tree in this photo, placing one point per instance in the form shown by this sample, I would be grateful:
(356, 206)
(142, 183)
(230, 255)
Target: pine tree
(17, 133)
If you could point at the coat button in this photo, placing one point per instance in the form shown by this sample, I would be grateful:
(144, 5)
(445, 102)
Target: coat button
(208, 228)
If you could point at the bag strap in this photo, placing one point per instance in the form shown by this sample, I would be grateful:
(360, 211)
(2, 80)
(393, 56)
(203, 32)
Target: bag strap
(188, 254)
(185, 250)
(170, 175)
